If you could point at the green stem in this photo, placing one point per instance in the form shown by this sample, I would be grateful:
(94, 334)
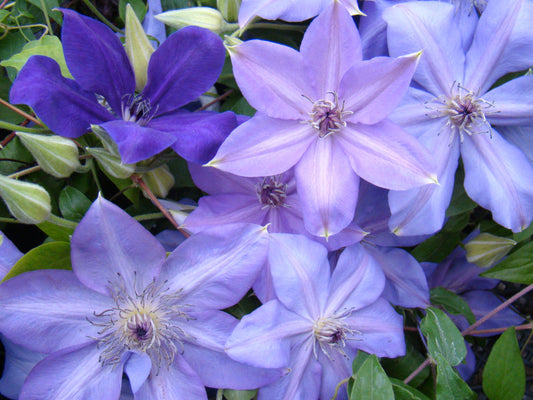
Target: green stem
(10, 220)
(101, 16)
(54, 219)
(13, 127)
(147, 217)
(278, 27)
(47, 19)
(24, 172)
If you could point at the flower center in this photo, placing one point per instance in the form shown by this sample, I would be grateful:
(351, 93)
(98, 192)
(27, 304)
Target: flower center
(148, 322)
(327, 116)
(271, 192)
(466, 113)
(331, 333)
(135, 108)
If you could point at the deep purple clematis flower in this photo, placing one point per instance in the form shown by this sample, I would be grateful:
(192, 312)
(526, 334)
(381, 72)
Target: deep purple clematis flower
(126, 307)
(324, 111)
(288, 10)
(453, 111)
(103, 92)
(318, 321)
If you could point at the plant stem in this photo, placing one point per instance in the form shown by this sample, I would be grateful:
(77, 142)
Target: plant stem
(13, 127)
(10, 220)
(54, 219)
(147, 217)
(47, 19)
(499, 330)
(21, 112)
(417, 371)
(24, 172)
(101, 16)
(339, 386)
(219, 98)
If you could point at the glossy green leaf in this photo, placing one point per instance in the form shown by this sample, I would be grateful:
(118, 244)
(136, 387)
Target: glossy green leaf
(450, 386)
(49, 46)
(517, 267)
(437, 248)
(54, 255)
(139, 7)
(452, 302)
(504, 376)
(73, 203)
(403, 391)
(443, 337)
(371, 382)
(56, 232)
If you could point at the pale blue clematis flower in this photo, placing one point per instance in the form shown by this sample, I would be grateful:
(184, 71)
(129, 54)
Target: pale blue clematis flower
(318, 321)
(127, 308)
(454, 111)
(324, 111)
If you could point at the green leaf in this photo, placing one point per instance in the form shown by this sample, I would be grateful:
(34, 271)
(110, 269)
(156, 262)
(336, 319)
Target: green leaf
(359, 360)
(517, 267)
(443, 337)
(436, 248)
(403, 391)
(56, 232)
(452, 302)
(504, 376)
(450, 386)
(49, 46)
(460, 202)
(239, 394)
(138, 7)
(402, 367)
(50, 5)
(54, 255)
(371, 382)
(73, 203)
(5, 113)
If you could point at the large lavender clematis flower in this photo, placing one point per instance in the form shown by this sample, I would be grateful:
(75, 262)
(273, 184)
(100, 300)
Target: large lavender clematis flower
(288, 10)
(319, 320)
(125, 307)
(142, 124)
(453, 111)
(324, 111)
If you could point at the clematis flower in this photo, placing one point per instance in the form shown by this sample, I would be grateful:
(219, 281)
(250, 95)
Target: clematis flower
(318, 321)
(453, 111)
(103, 92)
(324, 111)
(125, 307)
(288, 10)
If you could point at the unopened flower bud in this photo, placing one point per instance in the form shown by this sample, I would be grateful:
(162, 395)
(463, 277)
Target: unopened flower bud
(111, 163)
(138, 48)
(106, 140)
(56, 155)
(229, 9)
(486, 250)
(159, 181)
(204, 17)
(27, 202)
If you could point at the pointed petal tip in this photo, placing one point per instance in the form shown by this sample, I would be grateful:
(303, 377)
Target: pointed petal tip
(265, 228)
(433, 179)
(212, 163)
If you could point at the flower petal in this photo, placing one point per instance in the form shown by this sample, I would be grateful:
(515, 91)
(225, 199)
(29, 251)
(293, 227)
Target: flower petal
(60, 103)
(175, 382)
(356, 282)
(135, 142)
(372, 89)
(412, 27)
(47, 310)
(512, 102)
(138, 369)
(215, 268)
(502, 43)
(9, 255)
(263, 146)
(274, 9)
(387, 156)
(75, 374)
(498, 177)
(327, 187)
(521, 137)
(214, 181)
(110, 247)
(96, 58)
(282, 76)
(299, 271)
(381, 330)
(263, 338)
(184, 67)
(330, 46)
(406, 284)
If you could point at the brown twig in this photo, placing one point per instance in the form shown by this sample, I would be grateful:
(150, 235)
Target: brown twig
(499, 330)
(20, 112)
(138, 180)
(219, 98)
(417, 371)
(3, 4)
(7, 139)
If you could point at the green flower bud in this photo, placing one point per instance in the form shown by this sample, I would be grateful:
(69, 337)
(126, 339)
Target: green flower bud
(27, 202)
(106, 140)
(229, 9)
(56, 155)
(180, 212)
(159, 181)
(205, 17)
(138, 48)
(111, 163)
(486, 250)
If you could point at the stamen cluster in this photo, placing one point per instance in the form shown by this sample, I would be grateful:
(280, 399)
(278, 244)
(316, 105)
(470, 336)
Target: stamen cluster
(137, 109)
(271, 192)
(330, 333)
(327, 116)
